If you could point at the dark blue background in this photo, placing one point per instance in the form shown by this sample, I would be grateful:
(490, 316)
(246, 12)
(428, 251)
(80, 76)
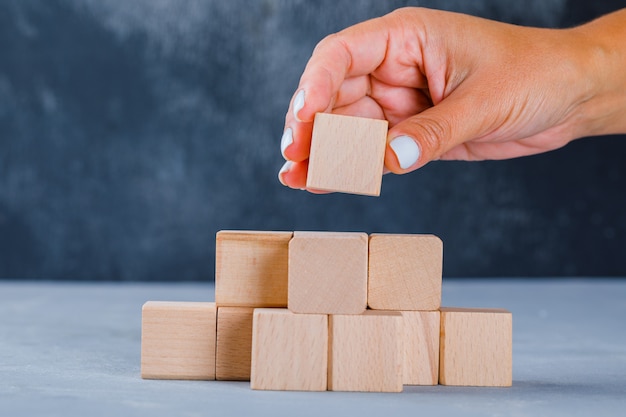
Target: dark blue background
(130, 132)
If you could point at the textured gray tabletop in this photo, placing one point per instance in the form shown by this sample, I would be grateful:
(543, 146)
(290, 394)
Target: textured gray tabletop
(74, 349)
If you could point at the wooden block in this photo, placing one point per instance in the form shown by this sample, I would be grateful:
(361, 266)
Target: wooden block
(178, 340)
(421, 347)
(476, 347)
(347, 154)
(405, 272)
(234, 343)
(366, 352)
(251, 268)
(328, 273)
(289, 351)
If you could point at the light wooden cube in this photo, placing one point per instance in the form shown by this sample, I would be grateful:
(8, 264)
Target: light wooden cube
(405, 272)
(476, 347)
(421, 347)
(347, 154)
(366, 352)
(178, 340)
(234, 343)
(328, 273)
(251, 268)
(289, 351)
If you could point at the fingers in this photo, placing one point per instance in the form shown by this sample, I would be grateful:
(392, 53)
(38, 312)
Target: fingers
(444, 82)
(377, 69)
(353, 52)
(335, 76)
(293, 174)
(366, 107)
(399, 102)
(292, 149)
(426, 136)
(352, 90)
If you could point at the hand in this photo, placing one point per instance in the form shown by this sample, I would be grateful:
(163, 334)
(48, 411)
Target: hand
(454, 86)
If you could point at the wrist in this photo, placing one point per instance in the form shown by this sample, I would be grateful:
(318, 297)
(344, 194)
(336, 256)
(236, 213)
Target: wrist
(603, 64)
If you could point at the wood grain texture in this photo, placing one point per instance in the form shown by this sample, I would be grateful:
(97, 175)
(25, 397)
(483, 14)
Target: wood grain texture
(421, 347)
(476, 347)
(405, 272)
(328, 273)
(178, 340)
(234, 343)
(251, 268)
(289, 351)
(366, 352)
(347, 154)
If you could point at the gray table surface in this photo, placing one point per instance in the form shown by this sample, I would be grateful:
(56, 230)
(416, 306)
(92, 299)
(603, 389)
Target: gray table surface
(74, 349)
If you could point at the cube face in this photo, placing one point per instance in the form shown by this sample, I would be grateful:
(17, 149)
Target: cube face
(421, 347)
(405, 272)
(234, 343)
(476, 347)
(366, 352)
(328, 273)
(289, 351)
(347, 154)
(251, 268)
(178, 340)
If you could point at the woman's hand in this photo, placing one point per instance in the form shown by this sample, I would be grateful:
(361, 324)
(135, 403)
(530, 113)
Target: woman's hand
(453, 86)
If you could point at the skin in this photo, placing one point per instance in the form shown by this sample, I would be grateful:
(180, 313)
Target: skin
(465, 88)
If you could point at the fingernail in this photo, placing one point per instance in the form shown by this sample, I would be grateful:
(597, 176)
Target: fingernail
(285, 168)
(286, 140)
(406, 149)
(298, 104)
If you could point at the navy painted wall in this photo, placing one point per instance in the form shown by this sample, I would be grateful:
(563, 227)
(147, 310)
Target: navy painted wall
(130, 132)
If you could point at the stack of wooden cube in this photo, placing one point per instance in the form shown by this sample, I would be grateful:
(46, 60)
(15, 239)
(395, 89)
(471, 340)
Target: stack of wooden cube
(317, 311)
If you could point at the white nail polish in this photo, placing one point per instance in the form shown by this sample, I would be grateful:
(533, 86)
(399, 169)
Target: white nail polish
(406, 149)
(298, 104)
(286, 140)
(285, 168)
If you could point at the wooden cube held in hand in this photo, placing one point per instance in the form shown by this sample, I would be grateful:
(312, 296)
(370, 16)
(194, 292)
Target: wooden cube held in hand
(476, 347)
(178, 340)
(347, 154)
(328, 273)
(251, 268)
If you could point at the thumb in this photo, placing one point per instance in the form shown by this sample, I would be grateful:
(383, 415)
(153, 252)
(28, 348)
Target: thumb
(426, 136)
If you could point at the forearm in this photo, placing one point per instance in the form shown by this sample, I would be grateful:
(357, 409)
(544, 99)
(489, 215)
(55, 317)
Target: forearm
(604, 65)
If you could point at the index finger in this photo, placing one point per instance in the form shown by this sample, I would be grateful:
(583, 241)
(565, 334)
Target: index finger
(355, 51)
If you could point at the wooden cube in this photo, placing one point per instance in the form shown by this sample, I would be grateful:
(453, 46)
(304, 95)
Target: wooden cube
(234, 343)
(405, 272)
(347, 154)
(366, 352)
(328, 273)
(476, 347)
(421, 347)
(178, 340)
(251, 268)
(289, 351)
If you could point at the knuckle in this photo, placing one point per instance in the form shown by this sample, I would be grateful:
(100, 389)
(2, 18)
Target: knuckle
(433, 133)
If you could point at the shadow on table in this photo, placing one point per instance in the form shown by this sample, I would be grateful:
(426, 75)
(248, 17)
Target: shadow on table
(529, 389)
